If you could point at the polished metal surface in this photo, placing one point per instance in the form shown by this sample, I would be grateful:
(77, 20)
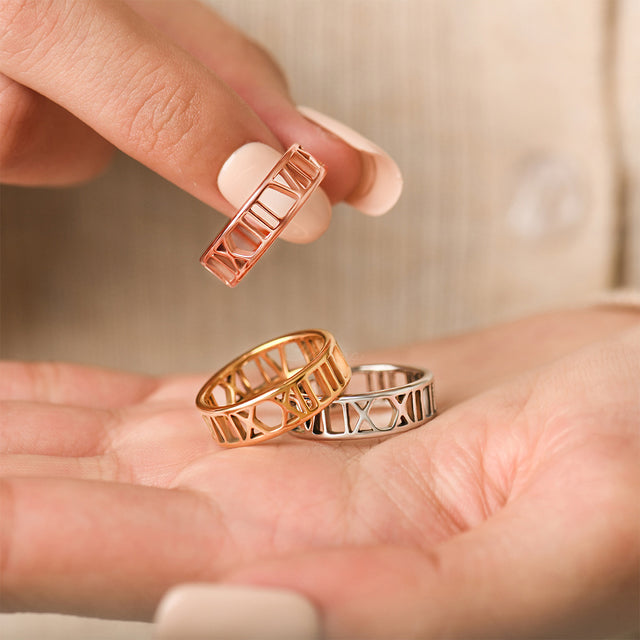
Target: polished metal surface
(263, 217)
(393, 399)
(273, 388)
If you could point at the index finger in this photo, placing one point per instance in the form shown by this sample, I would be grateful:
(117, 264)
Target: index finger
(102, 62)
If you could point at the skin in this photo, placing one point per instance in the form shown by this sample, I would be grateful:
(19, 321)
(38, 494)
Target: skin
(514, 513)
(178, 90)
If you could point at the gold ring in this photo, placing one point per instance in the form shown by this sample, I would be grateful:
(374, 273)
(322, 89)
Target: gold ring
(273, 388)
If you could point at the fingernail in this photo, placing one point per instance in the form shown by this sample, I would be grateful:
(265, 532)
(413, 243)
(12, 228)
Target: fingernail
(247, 167)
(381, 183)
(214, 612)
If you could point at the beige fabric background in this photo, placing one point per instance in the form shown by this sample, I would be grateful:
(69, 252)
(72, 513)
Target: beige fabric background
(506, 117)
(627, 96)
(516, 124)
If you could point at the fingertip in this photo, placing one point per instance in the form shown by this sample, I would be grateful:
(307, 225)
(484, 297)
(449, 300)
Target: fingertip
(311, 221)
(243, 172)
(343, 162)
(379, 183)
(359, 172)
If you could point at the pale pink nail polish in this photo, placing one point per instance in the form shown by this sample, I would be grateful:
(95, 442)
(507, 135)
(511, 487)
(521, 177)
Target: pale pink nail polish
(247, 167)
(219, 612)
(381, 182)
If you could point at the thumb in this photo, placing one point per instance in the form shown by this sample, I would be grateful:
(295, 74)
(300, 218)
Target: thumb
(518, 575)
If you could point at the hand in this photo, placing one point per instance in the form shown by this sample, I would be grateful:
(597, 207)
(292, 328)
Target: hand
(513, 513)
(169, 83)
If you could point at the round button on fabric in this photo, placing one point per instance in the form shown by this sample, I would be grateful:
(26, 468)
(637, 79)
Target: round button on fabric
(549, 199)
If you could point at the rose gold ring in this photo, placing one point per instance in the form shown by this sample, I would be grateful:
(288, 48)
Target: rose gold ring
(263, 217)
(273, 388)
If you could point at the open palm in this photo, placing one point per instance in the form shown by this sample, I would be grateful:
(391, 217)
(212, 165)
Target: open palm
(514, 512)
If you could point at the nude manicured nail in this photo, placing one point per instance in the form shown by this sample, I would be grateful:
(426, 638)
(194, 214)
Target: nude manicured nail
(247, 167)
(214, 612)
(381, 182)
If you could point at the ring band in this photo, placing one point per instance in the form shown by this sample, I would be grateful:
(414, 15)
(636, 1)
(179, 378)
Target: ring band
(263, 217)
(273, 388)
(395, 399)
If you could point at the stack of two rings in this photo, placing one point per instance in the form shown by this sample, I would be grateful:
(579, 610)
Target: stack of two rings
(301, 383)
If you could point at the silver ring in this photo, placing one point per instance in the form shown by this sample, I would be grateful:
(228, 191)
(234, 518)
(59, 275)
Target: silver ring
(380, 400)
